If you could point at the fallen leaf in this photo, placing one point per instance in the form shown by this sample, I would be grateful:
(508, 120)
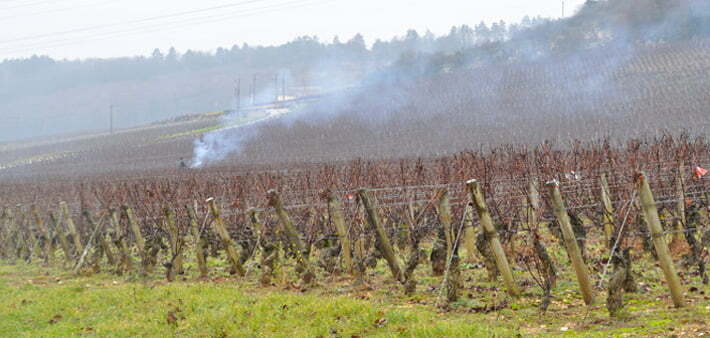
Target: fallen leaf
(172, 318)
(380, 322)
(55, 319)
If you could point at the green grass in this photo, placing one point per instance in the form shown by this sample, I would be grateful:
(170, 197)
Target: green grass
(40, 302)
(36, 159)
(231, 123)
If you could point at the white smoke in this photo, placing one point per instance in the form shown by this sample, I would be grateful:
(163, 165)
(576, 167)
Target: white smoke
(216, 145)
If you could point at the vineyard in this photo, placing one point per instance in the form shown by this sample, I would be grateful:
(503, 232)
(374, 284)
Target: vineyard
(616, 92)
(506, 211)
(521, 198)
(637, 92)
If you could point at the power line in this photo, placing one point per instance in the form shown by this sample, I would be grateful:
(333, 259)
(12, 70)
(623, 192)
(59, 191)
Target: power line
(57, 10)
(172, 25)
(30, 4)
(129, 22)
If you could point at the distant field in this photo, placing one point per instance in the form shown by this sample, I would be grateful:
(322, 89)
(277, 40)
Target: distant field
(156, 146)
(589, 96)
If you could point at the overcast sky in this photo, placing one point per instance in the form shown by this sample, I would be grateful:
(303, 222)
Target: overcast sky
(105, 28)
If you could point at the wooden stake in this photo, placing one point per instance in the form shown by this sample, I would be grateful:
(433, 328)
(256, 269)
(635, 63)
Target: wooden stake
(106, 248)
(124, 263)
(47, 244)
(138, 237)
(89, 244)
(29, 242)
(71, 227)
(373, 219)
(533, 199)
(608, 212)
(4, 234)
(336, 215)
(63, 242)
(297, 245)
(15, 236)
(255, 224)
(469, 234)
(444, 210)
(648, 205)
(575, 255)
(679, 224)
(176, 244)
(484, 216)
(227, 242)
(199, 240)
(451, 281)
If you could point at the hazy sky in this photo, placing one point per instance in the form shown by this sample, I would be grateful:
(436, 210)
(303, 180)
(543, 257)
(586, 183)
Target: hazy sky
(102, 28)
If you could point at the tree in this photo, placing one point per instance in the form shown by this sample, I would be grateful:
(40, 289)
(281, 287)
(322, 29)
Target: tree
(483, 34)
(157, 55)
(356, 47)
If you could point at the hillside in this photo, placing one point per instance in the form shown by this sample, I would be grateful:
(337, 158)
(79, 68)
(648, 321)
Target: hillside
(616, 70)
(585, 96)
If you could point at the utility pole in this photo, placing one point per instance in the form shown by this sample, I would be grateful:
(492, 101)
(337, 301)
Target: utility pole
(253, 90)
(110, 118)
(563, 9)
(283, 87)
(238, 94)
(276, 87)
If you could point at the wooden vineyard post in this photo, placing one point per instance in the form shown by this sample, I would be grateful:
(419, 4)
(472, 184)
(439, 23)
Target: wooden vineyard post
(6, 224)
(608, 212)
(359, 262)
(96, 232)
(256, 225)
(199, 241)
(106, 247)
(13, 233)
(29, 241)
(336, 216)
(385, 245)
(19, 243)
(648, 205)
(533, 210)
(124, 263)
(679, 224)
(227, 242)
(444, 210)
(71, 227)
(61, 236)
(533, 199)
(452, 272)
(270, 250)
(295, 242)
(176, 244)
(484, 216)
(138, 237)
(575, 255)
(47, 243)
(5, 234)
(469, 234)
